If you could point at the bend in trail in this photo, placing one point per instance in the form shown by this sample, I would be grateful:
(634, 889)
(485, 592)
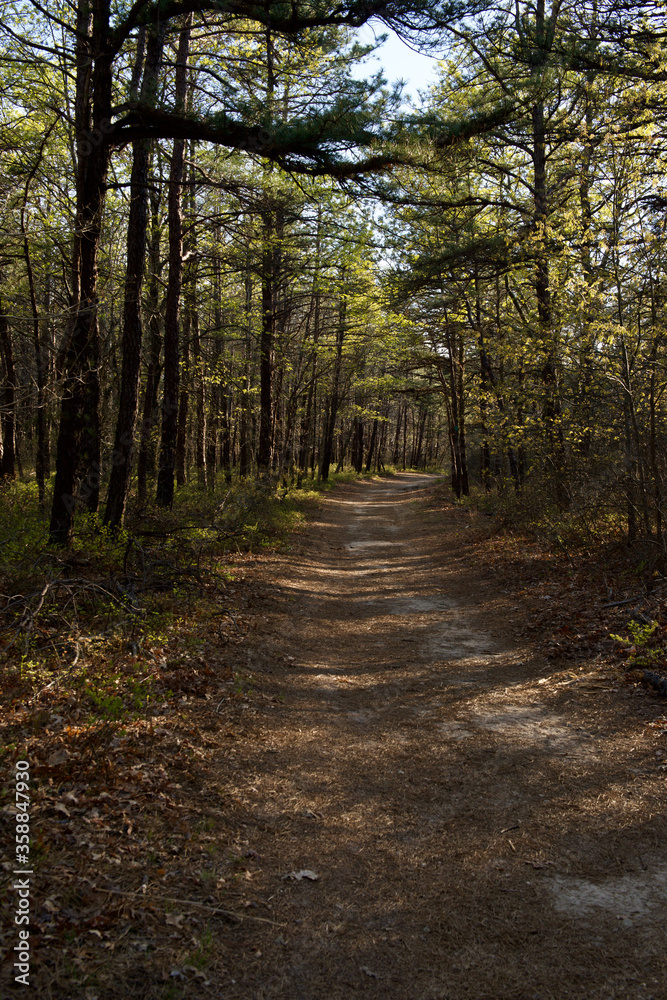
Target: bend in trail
(408, 754)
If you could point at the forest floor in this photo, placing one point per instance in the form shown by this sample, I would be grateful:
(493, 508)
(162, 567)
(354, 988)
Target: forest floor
(416, 770)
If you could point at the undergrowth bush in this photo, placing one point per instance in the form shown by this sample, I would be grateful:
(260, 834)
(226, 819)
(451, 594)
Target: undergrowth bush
(580, 521)
(83, 611)
(23, 529)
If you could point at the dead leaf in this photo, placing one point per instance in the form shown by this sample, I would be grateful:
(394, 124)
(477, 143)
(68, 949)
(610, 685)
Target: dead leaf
(304, 873)
(197, 973)
(175, 919)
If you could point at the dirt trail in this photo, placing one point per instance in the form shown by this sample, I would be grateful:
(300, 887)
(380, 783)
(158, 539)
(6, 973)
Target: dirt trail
(478, 824)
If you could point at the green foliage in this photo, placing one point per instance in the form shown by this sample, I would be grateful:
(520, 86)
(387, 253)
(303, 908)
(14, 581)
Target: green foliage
(100, 543)
(643, 652)
(23, 528)
(122, 592)
(116, 697)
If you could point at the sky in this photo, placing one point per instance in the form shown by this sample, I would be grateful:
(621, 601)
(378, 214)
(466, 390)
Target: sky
(398, 61)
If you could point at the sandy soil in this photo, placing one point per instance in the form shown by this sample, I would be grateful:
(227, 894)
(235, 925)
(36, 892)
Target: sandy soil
(481, 823)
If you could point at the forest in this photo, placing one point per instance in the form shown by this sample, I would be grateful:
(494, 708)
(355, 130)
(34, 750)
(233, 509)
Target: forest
(333, 459)
(226, 254)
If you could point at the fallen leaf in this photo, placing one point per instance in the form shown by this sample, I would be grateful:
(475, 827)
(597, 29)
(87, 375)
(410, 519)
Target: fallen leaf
(304, 873)
(175, 919)
(197, 973)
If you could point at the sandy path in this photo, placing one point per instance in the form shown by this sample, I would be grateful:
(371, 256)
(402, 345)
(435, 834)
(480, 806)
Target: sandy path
(476, 829)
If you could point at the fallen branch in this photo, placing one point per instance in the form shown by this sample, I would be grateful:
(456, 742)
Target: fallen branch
(24, 610)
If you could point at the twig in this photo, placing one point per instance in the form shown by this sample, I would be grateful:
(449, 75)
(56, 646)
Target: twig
(618, 604)
(193, 902)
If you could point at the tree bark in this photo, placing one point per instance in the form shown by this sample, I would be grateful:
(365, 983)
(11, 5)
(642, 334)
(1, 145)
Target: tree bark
(371, 447)
(79, 432)
(245, 456)
(183, 399)
(551, 408)
(137, 228)
(357, 458)
(332, 412)
(165, 479)
(150, 415)
(8, 463)
(269, 275)
(42, 455)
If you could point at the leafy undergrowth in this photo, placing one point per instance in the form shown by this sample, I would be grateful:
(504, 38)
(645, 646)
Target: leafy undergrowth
(589, 596)
(125, 677)
(113, 592)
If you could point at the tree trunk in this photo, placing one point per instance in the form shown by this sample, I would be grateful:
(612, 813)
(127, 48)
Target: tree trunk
(244, 429)
(42, 454)
(379, 462)
(417, 453)
(405, 433)
(8, 464)
(200, 424)
(397, 437)
(371, 447)
(79, 432)
(216, 398)
(184, 399)
(551, 407)
(270, 269)
(462, 445)
(137, 228)
(332, 412)
(165, 479)
(226, 438)
(150, 415)
(653, 445)
(358, 445)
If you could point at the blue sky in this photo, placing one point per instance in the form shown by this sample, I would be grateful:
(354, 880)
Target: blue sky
(398, 61)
